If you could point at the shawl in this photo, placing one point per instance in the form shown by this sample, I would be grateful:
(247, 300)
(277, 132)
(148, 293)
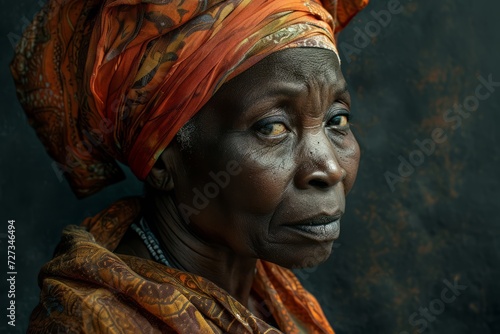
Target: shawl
(107, 81)
(86, 288)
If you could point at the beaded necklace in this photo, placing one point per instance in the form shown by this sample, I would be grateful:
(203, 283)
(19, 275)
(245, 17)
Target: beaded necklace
(149, 239)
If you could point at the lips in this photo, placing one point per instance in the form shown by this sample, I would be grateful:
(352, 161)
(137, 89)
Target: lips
(319, 228)
(317, 220)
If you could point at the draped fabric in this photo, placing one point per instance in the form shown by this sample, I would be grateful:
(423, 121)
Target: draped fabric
(86, 288)
(114, 80)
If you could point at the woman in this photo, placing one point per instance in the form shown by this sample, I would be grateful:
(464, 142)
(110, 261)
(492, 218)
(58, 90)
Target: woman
(235, 115)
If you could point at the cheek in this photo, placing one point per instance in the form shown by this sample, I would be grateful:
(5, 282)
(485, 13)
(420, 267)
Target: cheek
(349, 156)
(240, 180)
(260, 186)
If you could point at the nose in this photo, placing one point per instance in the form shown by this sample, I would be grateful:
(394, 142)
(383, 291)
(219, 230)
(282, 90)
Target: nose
(318, 165)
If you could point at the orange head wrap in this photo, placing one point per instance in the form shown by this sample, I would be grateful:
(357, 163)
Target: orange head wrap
(113, 80)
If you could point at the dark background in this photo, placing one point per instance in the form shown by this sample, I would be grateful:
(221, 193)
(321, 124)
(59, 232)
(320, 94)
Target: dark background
(398, 245)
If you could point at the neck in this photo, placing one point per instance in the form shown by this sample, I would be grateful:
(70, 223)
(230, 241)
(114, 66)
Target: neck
(187, 251)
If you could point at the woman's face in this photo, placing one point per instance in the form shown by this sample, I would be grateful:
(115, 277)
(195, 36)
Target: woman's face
(265, 166)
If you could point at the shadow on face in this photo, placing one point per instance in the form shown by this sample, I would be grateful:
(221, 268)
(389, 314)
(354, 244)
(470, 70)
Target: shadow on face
(263, 169)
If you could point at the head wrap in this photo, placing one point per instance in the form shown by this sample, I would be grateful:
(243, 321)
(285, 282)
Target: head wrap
(113, 80)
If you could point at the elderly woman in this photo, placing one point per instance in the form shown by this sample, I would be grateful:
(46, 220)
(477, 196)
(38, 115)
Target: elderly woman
(235, 115)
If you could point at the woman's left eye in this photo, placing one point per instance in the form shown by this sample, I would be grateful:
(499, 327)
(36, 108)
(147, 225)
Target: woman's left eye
(339, 120)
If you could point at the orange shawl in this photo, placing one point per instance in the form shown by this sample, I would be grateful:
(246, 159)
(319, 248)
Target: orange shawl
(86, 288)
(107, 80)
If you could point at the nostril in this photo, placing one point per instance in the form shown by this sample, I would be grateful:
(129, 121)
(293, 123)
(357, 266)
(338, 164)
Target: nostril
(318, 184)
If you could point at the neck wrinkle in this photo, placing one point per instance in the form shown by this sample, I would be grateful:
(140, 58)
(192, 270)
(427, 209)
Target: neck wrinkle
(188, 252)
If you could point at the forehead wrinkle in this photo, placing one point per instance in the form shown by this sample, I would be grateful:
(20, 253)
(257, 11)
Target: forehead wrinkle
(321, 93)
(276, 88)
(290, 73)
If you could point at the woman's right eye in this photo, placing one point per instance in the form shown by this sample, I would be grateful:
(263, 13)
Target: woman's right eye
(272, 129)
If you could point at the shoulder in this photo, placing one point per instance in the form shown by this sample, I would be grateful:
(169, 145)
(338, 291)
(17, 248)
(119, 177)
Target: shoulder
(77, 307)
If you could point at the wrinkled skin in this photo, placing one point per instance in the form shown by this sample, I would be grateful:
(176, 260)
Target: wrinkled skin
(283, 127)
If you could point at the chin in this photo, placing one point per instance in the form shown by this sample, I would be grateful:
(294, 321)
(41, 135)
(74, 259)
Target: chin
(305, 257)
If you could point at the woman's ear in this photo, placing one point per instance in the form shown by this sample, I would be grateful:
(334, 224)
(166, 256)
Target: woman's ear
(160, 177)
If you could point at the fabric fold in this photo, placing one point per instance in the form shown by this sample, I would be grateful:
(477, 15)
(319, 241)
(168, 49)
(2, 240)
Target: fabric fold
(108, 81)
(88, 288)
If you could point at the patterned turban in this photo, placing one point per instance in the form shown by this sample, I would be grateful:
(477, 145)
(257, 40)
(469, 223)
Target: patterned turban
(114, 80)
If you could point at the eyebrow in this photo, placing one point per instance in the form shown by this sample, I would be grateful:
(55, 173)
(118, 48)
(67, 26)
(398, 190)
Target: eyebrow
(344, 92)
(295, 89)
(287, 89)
(344, 89)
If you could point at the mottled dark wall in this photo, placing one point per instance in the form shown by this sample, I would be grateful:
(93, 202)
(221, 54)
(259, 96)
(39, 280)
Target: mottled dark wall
(399, 245)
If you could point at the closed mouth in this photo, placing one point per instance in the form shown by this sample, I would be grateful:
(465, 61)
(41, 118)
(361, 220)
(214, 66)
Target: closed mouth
(323, 228)
(317, 220)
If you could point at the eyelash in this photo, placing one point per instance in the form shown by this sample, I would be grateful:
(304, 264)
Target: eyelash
(267, 122)
(259, 125)
(341, 113)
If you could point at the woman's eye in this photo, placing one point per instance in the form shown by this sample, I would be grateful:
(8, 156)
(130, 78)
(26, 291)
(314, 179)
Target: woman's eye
(272, 129)
(339, 120)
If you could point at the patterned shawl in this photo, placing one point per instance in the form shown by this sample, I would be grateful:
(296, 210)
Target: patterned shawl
(107, 80)
(86, 288)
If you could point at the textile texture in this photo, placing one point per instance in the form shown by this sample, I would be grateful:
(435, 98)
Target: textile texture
(86, 288)
(106, 81)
